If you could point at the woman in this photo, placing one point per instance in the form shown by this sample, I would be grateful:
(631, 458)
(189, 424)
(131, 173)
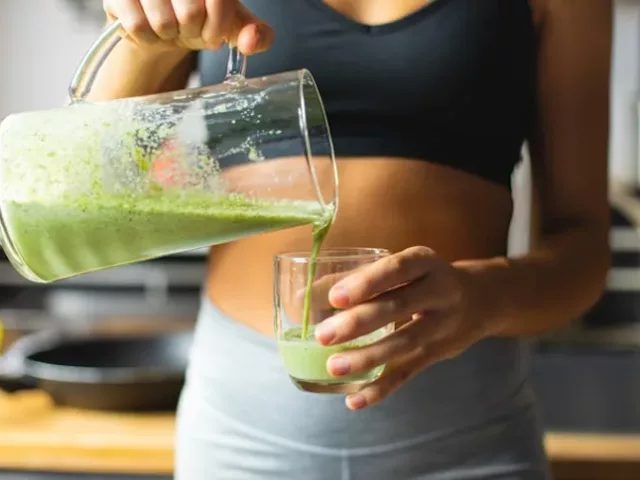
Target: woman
(429, 104)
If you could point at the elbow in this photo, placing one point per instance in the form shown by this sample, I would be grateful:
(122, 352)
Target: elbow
(586, 250)
(598, 264)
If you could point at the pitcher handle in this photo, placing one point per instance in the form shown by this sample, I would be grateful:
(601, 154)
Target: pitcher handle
(93, 60)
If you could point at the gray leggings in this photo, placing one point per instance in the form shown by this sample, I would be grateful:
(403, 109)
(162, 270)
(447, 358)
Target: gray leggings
(241, 418)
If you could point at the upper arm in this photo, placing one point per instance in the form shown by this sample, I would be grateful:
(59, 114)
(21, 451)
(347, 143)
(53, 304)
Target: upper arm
(569, 143)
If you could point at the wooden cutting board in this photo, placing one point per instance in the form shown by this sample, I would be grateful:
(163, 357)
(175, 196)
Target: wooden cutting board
(36, 435)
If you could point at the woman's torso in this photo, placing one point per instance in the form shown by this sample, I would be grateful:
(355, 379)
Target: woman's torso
(423, 91)
(428, 114)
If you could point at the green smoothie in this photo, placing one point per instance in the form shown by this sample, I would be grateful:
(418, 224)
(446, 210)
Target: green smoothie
(80, 234)
(305, 359)
(320, 231)
(303, 356)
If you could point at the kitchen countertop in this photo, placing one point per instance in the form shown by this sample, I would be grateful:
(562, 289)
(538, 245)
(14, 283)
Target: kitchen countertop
(32, 475)
(34, 435)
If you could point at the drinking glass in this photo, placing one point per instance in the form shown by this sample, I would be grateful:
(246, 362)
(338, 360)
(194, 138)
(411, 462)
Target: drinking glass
(304, 358)
(94, 185)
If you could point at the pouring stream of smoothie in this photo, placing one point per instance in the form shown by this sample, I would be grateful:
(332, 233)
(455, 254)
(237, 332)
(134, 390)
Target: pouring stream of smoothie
(320, 231)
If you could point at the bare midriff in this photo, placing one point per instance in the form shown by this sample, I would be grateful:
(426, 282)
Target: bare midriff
(386, 203)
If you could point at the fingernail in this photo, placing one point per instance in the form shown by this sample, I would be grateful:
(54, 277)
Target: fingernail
(356, 401)
(325, 333)
(339, 295)
(338, 365)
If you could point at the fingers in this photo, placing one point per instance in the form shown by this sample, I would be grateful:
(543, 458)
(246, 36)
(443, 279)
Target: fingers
(421, 335)
(395, 377)
(192, 24)
(386, 274)
(320, 290)
(387, 384)
(219, 22)
(292, 298)
(133, 19)
(392, 346)
(427, 296)
(255, 36)
(190, 15)
(367, 317)
(161, 18)
(321, 308)
(230, 21)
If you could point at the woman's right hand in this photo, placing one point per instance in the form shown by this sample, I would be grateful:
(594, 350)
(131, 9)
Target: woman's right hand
(166, 25)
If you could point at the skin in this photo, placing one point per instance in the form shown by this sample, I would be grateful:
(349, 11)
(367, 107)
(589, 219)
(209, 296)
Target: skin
(448, 275)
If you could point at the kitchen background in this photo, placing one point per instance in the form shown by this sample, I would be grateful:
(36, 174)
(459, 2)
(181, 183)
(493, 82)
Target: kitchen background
(41, 42)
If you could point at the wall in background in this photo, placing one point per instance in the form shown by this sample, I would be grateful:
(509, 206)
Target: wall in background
(41, 43)
(623, 151)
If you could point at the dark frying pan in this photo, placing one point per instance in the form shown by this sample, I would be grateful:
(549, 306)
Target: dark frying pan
(100, 373)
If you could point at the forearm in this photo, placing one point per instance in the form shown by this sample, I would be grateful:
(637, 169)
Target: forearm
(131, 71)
(558, 281)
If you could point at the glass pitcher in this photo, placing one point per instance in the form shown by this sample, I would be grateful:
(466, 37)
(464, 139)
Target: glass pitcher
(99, 184)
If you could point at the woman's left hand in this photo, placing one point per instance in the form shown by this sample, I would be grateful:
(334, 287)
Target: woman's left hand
(427, 298)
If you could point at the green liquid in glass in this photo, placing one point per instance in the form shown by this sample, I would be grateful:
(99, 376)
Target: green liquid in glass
(305, 359)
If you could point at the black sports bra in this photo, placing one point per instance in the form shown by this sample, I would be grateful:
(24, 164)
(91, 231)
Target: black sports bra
(453, 83)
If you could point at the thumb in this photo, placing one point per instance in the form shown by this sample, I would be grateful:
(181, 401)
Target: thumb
(250, 33)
